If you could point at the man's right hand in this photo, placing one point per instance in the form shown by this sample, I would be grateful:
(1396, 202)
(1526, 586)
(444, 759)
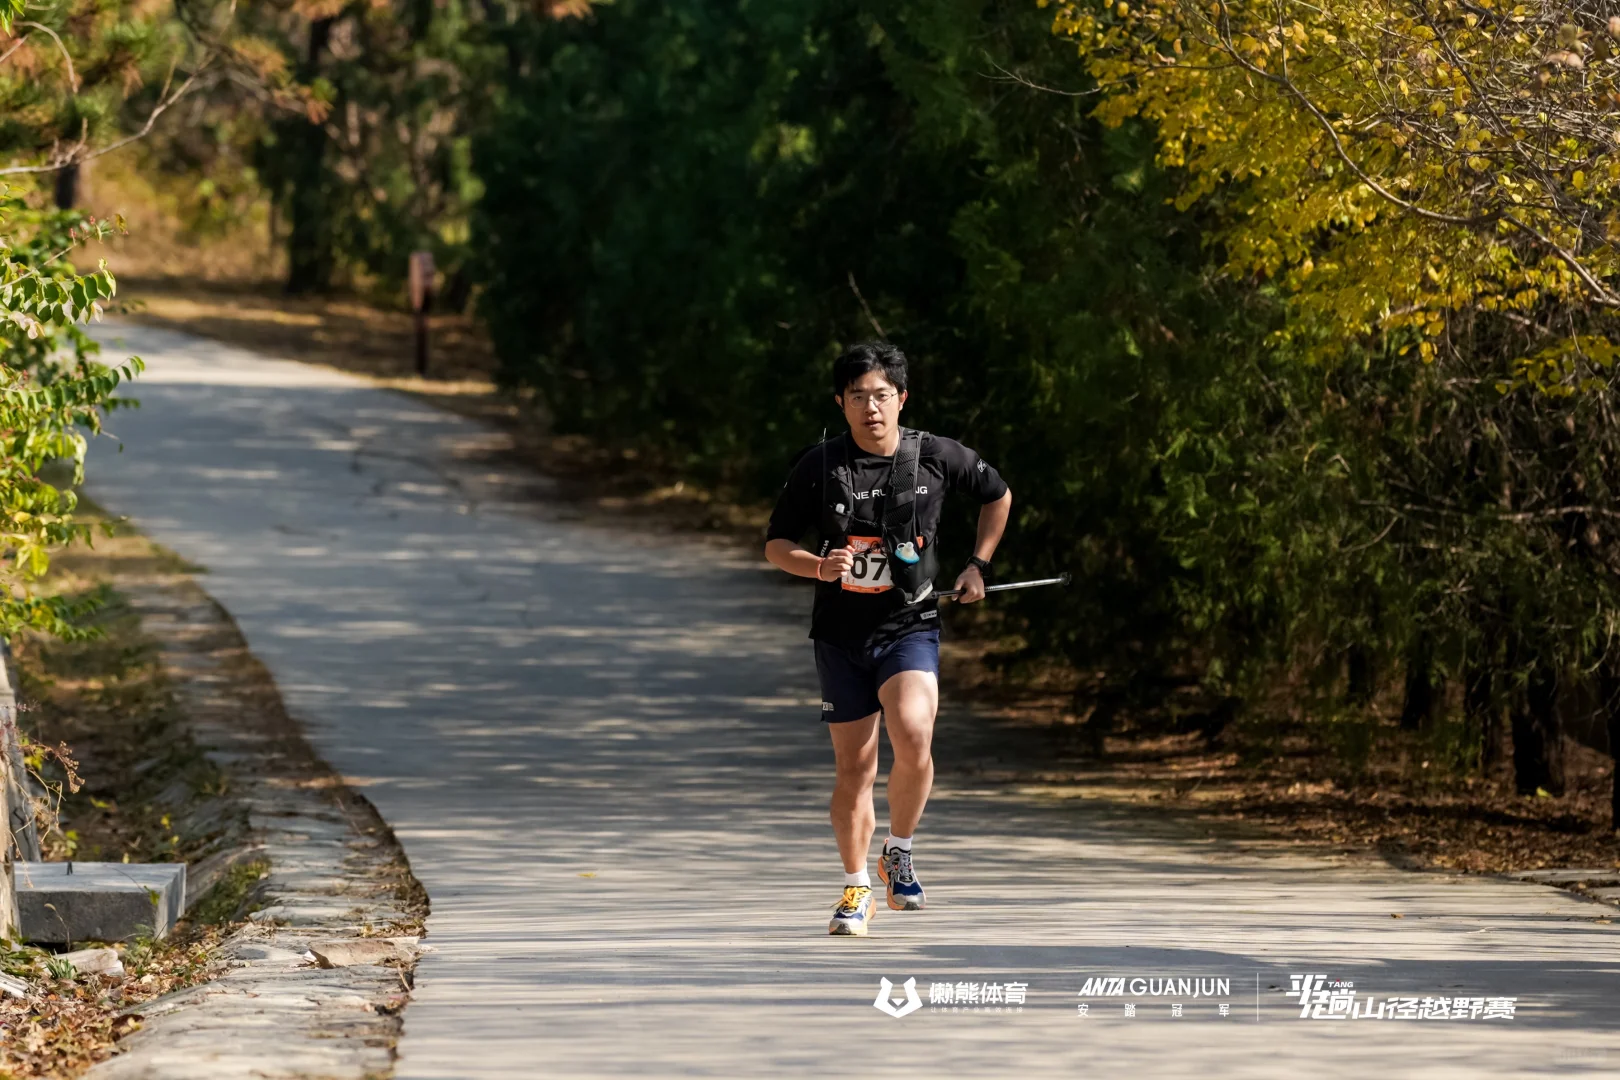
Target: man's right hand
(837, 563)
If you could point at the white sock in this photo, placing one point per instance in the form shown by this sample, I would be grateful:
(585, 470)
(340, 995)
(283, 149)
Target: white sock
(860, 877)
(898, 843)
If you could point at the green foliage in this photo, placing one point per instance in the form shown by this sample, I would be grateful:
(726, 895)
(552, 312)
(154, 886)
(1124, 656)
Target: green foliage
(1429, 191)
(1396, 166)
(679, 198)
(52, 391)
(1179, 365)
(378, 165)
(78, 74)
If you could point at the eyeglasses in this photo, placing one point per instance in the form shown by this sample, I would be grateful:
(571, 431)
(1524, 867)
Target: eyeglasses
(860, 398)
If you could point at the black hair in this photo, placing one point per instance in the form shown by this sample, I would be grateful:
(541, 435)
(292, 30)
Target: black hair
(866, 356)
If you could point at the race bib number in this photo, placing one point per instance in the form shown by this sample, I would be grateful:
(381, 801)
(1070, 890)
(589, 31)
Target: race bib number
(870, 571)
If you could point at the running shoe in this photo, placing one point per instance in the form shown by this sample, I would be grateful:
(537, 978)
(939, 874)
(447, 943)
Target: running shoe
(905, 891)
(854, 912)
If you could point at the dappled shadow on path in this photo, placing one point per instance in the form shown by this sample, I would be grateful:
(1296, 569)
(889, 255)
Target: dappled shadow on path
(603, 753)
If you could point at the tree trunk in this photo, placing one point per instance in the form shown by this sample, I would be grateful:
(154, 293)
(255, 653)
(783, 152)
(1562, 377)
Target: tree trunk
(1361, 682)
(8, 886)
(1609, 689)
(310, 254)
(495, 16)
(1422, 693)
(8, 739)
(1484, 712)
(1100, 724)
(23, 836)
(1614, 779)
(1212, 724)
(67, 186)
(1538, 736)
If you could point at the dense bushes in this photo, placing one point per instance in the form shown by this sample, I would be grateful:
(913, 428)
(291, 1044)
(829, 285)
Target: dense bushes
(690, 206)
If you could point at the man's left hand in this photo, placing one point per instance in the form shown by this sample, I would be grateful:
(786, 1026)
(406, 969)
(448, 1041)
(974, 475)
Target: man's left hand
(971, 582)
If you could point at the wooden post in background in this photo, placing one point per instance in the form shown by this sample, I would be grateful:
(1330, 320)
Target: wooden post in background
(421, 287)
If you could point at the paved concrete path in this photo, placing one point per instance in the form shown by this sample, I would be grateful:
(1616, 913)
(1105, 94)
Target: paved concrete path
(602, 753)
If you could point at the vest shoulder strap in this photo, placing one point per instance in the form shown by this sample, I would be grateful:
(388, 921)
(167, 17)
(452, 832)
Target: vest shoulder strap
(900, 489)
(837, 491)
(900, 493)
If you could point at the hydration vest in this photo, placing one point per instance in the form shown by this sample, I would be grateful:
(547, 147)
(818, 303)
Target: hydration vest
(912, 561)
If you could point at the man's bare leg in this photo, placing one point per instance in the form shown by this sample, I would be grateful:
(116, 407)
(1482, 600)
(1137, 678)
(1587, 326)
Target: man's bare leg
(910, 700)
(855, 747)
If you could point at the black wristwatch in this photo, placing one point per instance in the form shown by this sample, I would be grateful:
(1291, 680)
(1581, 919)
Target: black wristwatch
(982, 564)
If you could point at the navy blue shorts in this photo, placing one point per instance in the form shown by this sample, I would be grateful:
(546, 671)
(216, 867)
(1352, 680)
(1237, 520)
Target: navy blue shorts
(850, 677)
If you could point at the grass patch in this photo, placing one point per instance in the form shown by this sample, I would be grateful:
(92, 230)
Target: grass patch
(229, 897)
(149, 794)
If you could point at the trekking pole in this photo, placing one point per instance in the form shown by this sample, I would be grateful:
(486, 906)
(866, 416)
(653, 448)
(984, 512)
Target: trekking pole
(1061, 579)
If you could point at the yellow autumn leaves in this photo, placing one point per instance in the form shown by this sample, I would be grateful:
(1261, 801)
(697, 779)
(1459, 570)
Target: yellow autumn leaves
(1394, 164)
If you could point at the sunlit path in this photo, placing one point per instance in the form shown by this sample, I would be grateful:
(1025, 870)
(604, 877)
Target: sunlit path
(603, 755)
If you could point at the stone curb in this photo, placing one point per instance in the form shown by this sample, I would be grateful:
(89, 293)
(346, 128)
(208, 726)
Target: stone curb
(335, 872)
(1596, 884)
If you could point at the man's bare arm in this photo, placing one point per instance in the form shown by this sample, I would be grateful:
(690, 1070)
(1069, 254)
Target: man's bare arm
(786, 555)
(992, 524)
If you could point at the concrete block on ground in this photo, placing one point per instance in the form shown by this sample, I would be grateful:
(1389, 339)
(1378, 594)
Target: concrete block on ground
(95, 962)
(60, 902)
(1568, 876)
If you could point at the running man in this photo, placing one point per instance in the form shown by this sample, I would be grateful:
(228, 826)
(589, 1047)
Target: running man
(876, 620)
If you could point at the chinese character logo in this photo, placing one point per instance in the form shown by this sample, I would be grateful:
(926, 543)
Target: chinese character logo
(894, 1006)
(1321, 998)
(993, 996)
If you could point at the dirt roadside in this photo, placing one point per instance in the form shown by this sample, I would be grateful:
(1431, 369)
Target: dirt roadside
(186, 754)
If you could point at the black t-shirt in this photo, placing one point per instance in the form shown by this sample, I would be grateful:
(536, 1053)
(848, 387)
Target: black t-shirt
(860, 610)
